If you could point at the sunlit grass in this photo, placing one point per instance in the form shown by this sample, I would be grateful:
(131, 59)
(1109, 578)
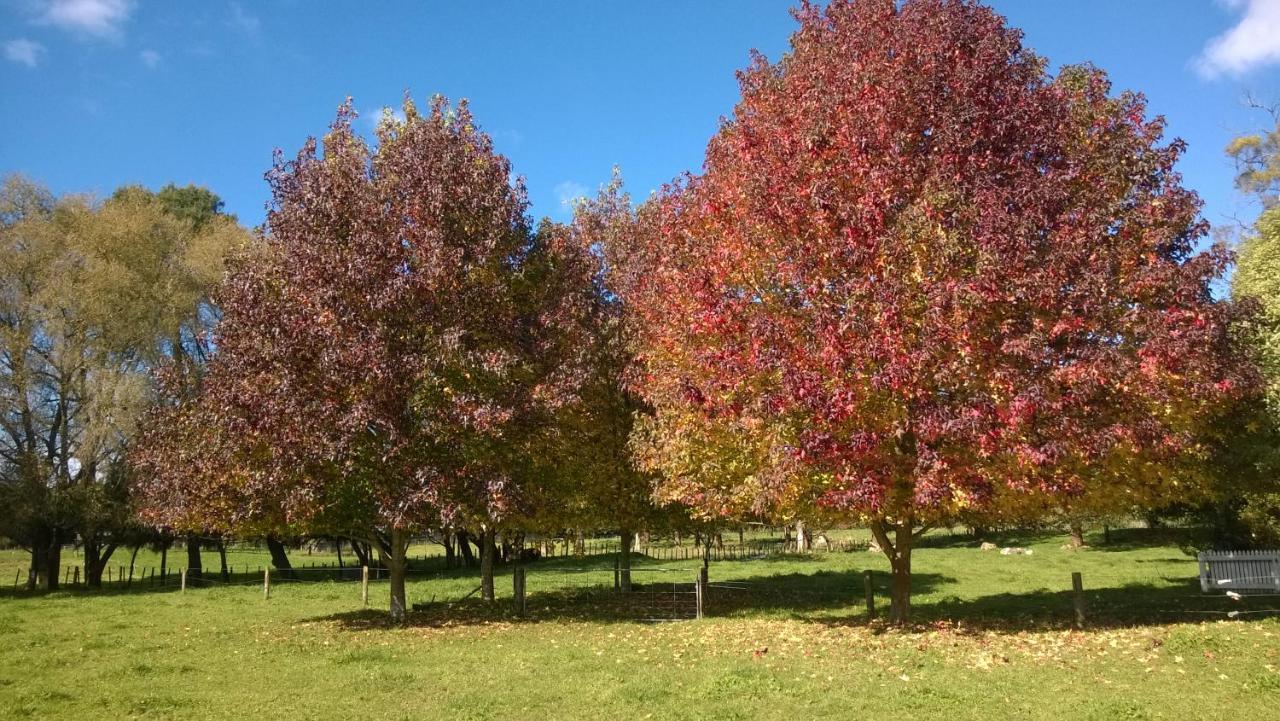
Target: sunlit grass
(785, 637)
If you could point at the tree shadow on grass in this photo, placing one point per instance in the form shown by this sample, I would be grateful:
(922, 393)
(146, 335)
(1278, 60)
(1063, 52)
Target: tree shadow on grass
(1124, 606)
(833, 598)
(1002, 539)
(1133, 539)
(655, 597)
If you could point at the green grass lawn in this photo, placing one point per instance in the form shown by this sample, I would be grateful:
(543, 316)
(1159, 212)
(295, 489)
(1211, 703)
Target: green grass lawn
(785, 637)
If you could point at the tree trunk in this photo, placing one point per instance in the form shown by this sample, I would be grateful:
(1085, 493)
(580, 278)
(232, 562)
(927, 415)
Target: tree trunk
(195, 568)
(802, 537)
(450, 552)
(624, 561)
(579, 543)
(464, 546)
(1077, 535)
(53, 561)
(898, 552)
(279, 557)
(397, 565)
(132, 558)
(96, 559)
(487, 553)
(92, 566)
(222, 560)
(39, 567)
(364, 555)
(164, 562)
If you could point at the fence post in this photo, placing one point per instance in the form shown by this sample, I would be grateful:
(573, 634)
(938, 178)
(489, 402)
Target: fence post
(16, 575)
(698, 590)
(1077, 593)
(869, 590)
(617, 575)
(77, 576)
(266, 583)
(183, 583)
(364, 584)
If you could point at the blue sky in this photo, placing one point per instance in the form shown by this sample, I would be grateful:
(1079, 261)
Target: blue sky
(97, 93)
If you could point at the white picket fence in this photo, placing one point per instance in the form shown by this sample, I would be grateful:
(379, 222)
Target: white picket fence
(1239, 571)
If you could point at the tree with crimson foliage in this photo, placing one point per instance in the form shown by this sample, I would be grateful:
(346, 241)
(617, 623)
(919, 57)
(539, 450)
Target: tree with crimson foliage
(920, 277)
(383, 365)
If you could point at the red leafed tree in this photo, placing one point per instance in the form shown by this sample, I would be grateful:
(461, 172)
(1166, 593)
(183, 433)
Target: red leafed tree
(384, 364)
(920, 277)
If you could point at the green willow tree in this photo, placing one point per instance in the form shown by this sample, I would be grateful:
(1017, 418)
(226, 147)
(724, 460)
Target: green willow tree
(95, 297)
(1252, 488)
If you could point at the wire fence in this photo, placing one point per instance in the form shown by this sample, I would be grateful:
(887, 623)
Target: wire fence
(672, 592)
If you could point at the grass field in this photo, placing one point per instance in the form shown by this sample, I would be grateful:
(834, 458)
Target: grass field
(786, 637)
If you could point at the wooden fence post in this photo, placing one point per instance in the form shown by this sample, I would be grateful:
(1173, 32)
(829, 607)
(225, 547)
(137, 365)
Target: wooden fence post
(77, 576)
(183, 584)
(266, 583)
(869, 590)
(16, 575)
(364, 584)
(699, 588)
(617, 575)
(1077, 593)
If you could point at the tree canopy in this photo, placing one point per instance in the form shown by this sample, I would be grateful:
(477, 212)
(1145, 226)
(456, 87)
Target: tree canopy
(94, 297)
(919, 276)
(383, 367)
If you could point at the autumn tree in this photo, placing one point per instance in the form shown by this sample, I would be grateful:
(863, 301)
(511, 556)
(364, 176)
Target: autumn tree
(919, 276)
(599, 484)
(379, 365)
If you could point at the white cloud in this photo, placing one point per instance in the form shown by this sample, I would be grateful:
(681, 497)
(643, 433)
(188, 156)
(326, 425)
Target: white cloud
(243, 21)
(374, 116)
(150, 58)
(99, 18)
(23, 51)
(569, 192)
(1252, 43)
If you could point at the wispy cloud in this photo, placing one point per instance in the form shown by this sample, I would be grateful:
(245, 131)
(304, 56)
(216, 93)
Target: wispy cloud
(373, 116)
(21, 50)
(1252, 43)
(508, 137)
(243, 20)
(569, 192)
(97, 18)
(150, 58)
